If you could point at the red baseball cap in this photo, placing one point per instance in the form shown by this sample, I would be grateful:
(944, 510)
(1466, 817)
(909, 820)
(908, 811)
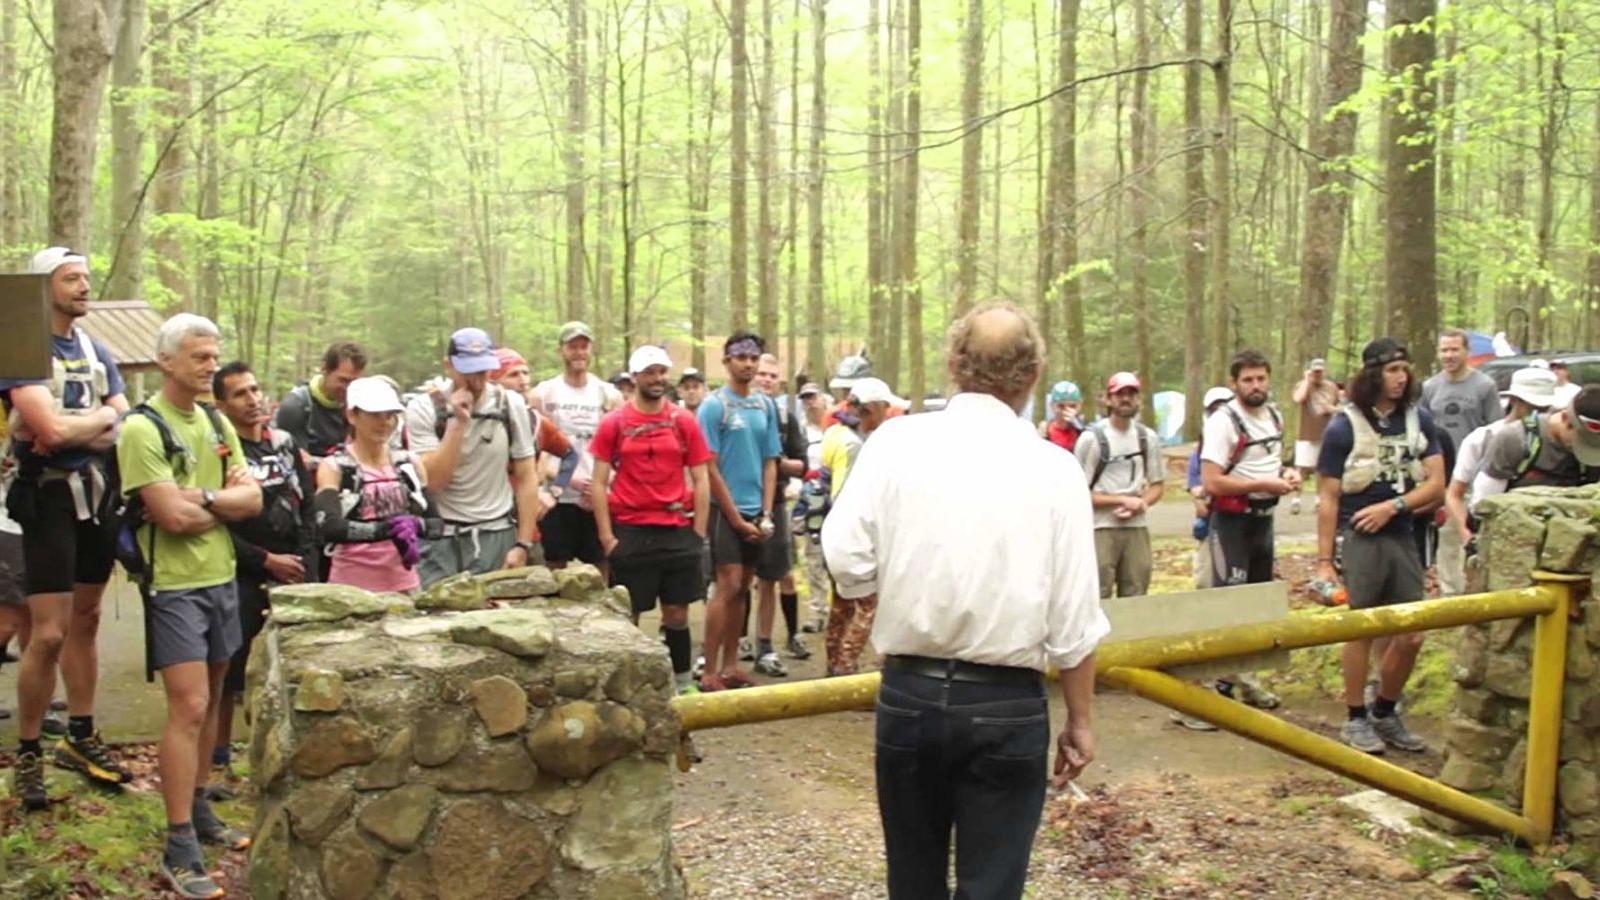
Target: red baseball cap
(1122, 381)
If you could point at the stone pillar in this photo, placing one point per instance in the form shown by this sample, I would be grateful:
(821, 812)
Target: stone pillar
(455, 749)
(1536, 528)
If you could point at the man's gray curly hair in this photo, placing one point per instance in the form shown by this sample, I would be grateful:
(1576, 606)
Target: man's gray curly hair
(999, 359)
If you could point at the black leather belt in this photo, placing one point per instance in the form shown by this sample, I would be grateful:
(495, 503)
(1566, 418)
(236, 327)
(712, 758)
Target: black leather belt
(958, 670)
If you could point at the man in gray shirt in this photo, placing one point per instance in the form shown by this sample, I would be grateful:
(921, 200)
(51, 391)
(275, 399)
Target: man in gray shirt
(1462, 399)
(1122, 460)
(466, 446)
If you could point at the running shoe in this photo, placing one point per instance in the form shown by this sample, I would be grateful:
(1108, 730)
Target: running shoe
(797, 648)
(54, 725)
(29, 783)
(1395, 733)
(769, 664)
(92, 759)
(711, 683)
(1191, 723)
(1250, 692)
(747, 650)
(699, 668)
(192, 882)
(737, 679)
(221, 835)
(1360, 734)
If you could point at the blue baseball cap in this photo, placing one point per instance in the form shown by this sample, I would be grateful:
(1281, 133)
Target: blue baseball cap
(471, 351)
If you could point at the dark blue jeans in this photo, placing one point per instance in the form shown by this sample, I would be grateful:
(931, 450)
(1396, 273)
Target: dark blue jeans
(961, 756)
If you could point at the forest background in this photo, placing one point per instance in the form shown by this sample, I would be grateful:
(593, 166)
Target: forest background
(1161, 181)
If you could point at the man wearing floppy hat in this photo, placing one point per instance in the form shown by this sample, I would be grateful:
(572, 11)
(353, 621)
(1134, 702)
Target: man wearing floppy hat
(489, 521)
(1532, 391)
(576, 399)
(1559, 448)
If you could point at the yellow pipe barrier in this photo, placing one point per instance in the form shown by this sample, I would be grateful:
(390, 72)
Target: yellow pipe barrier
(1318, 750)
(772, 702)
(1297, 632)
(1548, 680)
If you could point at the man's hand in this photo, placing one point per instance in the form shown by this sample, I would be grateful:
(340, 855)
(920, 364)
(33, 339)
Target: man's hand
(239, 475)
(285, 568)
(1370, 519)
(1292, 476)
(547, 502)
(1465, 532)
(581, 485)
(1074, 751)
(748, 532)
(1326, 572)
(461, 405)
(608, 543)
(516, 558)
(1202, 508)
(1275, 486)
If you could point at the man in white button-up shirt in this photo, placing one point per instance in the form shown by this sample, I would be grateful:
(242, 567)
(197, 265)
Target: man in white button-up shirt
(982, 585)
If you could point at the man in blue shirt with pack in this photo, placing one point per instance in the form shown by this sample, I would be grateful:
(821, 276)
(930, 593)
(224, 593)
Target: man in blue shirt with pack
(741, 428)
(62, 432)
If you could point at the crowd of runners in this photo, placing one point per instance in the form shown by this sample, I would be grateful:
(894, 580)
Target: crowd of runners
(209, 495)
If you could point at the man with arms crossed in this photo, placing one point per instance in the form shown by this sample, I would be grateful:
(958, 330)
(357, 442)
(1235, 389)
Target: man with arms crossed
(184, 471)
(980, 590)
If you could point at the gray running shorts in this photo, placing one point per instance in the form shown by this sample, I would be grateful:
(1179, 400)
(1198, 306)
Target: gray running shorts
(1381, 569)
(193, 624)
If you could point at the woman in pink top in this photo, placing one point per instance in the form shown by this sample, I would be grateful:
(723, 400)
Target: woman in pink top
(371, 504)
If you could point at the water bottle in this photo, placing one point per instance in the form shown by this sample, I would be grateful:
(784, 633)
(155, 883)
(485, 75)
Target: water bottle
(1328, 593)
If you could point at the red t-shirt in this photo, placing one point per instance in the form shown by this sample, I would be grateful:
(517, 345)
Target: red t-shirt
(1063, 435)
(648, 454)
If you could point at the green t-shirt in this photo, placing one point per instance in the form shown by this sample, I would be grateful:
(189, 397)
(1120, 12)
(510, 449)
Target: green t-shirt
(181, 560)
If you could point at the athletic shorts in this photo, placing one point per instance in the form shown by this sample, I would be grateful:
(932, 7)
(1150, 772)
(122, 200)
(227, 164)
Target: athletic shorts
(193, 624)
(1381, 569)
(777, 552)
(769, 558)
(58, 551)
(1306, 453)
(252, 617)
(1241, 549)
(12, 590)
(567, 532)
(658, 562)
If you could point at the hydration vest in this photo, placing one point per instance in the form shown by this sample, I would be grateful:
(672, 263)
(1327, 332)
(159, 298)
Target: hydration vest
(1396, 459)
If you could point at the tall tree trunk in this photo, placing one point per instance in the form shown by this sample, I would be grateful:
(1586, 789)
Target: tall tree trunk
(738, 224)
(893, 198)
(699, 189)
(1045, 175)
(1448, 197)
(908, 205)
(125, 276)
(10, 139)
(1410, 240)
(604, 277)
(1194, 205)
(996, 261)
(816, 362)
(1591, 291)
(1064, 194)
(877, 165)
(766, 151)
(1222, 339)
(170, 81)
(1142, 133)
(84, 35)
(572, 152)
(792, 184)
(1555, 109)
(210, 201)
(971, 156)
(1329, 181)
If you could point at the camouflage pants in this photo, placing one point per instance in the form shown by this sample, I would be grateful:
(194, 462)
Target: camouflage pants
(849, 625)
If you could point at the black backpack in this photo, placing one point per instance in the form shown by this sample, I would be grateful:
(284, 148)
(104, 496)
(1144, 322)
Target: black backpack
(501, 412)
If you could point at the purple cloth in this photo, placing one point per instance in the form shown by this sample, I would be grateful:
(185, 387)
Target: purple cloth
(406, 532)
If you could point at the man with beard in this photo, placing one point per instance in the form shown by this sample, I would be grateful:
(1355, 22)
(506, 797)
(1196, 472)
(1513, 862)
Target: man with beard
(1122, 459)
(63, 429)
(692, 389)
(1380, 460)
(489, 519)
(576, 399)
(272, 548)
(313, 413)
(651, 523)
(1242, 471)
(741, 428)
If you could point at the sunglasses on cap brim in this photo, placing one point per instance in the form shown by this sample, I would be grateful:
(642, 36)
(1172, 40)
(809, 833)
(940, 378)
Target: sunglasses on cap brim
(1591, 425)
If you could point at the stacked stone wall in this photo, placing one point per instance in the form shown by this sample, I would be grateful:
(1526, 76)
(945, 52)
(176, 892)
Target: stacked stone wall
(458, 748)
(1486, 752)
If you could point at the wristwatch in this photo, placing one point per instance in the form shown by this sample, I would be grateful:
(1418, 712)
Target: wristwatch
(527, 547)
(1400, 504)
(207, 497)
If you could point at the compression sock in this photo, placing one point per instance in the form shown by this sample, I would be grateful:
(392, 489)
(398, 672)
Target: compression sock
(790, 604)
(763, 646)
(677, 641)
(80, 728)
(205, 818)
(183, 847)
(33, 746)
(1357, 712)
(1383, 709)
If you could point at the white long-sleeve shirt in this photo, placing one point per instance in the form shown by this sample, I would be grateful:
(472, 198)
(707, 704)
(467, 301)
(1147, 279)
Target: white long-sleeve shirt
(996, 569)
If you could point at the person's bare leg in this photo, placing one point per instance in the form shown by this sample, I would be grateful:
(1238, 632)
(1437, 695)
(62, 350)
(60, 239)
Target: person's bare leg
(737, 598)
(1397, 664)
(1354, 659)
(723, 617)
(50, 616)
(189, 704)
(209, 729)
(80, 654)
(766, 608)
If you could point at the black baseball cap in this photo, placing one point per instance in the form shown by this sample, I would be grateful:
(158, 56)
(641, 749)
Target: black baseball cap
(1586, 425)
(1381, 352)
(692, 374)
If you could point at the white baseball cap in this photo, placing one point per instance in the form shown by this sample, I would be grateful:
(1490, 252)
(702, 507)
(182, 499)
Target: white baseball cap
(874, 390)
(374, 393)
(1216, 395)
(647, 356)
(48, 260)
(1533, 385)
